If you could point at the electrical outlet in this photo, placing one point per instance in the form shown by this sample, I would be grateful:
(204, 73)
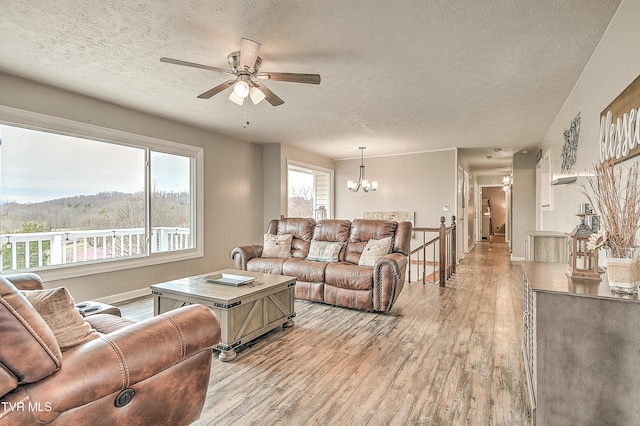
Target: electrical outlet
(445, 208)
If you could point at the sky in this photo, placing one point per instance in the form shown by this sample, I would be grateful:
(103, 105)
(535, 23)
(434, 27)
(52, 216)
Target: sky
(37, 166)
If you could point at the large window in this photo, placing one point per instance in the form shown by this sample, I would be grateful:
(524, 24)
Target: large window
(309, 191)
(68, 201)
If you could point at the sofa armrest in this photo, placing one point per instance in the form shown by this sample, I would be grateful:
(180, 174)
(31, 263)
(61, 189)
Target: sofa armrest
(388, 280)
(118, 360)
(241, 255)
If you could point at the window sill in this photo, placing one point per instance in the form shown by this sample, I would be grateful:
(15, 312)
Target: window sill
(61, 272)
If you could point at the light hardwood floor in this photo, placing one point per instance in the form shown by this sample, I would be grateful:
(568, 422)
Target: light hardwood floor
(442, 356)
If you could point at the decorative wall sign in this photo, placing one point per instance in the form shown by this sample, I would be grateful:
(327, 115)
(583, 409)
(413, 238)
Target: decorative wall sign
(620, 126)
(570, 148)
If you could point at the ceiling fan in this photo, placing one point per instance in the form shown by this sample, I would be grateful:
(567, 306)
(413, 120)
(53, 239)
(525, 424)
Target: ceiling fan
(245, 65)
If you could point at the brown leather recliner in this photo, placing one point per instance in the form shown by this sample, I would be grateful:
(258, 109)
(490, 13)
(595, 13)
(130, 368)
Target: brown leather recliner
(343, 282)
(151, 372)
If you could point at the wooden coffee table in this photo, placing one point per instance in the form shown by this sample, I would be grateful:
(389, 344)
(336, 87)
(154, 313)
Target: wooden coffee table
(244, 312)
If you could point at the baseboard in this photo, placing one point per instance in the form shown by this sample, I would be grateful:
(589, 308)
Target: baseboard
(121, 297)
(517, 258)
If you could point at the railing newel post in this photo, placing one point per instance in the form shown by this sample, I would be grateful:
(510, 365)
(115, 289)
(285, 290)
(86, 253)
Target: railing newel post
(442, 265)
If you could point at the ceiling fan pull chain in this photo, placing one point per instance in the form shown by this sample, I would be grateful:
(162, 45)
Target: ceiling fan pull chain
(244, 114)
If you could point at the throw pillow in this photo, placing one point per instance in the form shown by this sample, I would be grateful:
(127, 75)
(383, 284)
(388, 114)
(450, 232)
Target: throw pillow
(374, 250)
(57, 309)
(278, 246)
(324, 251)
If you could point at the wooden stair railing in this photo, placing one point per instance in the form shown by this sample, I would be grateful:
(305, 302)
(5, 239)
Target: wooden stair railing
(443, 249)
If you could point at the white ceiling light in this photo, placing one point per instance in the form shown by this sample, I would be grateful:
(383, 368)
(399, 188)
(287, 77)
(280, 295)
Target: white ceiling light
(235, 98)
(363, 182)
(256, 95)
(241, 89)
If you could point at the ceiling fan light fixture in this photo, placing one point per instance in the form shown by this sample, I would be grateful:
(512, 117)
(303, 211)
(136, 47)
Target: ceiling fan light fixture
(241, 89)
(256, 95)
(236, 99)
(234, 61)
(245, 66)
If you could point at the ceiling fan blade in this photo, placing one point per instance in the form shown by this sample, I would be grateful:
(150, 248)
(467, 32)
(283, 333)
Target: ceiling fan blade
(194, 65)
(291, 77)
(219, 88)
(269, 95)
(248, 53)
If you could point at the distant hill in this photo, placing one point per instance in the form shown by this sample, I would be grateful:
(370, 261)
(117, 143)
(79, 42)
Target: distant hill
(99, 211)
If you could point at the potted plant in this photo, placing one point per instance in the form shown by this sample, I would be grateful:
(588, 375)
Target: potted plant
(617, 201)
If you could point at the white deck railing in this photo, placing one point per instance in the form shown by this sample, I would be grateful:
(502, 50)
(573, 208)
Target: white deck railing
(39, 249)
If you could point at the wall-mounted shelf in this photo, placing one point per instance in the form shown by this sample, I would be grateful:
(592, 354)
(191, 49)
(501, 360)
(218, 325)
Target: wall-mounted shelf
(564, 180)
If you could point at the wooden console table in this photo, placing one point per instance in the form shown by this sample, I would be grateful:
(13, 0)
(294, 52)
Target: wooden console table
(581, 349)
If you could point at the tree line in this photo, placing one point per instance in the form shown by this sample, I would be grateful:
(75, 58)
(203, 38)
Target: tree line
(105, 210)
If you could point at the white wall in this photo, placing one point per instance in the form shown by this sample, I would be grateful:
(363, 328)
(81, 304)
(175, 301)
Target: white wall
(613, 66)
(422, 183)
(233, 190)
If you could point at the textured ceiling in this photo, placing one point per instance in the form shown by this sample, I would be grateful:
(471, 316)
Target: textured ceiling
(397, 77)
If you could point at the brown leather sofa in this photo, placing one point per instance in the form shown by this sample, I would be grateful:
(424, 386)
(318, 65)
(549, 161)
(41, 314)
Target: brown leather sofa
(147, 373)
(341, 283)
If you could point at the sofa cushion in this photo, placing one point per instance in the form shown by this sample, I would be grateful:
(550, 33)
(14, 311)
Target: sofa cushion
(348, 275)
(266, 265)
(57, 308)
(332, 230)
(374, 250)
(278, 246)
(363, 230)
(302, 230)
(29, 350)
(324, 251)
(305, 270)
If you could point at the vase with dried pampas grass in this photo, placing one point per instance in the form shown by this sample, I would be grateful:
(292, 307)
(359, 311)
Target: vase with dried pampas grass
(617, 200)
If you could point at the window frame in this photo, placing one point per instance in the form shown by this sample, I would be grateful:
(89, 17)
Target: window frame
(45, 123)
(312, 167)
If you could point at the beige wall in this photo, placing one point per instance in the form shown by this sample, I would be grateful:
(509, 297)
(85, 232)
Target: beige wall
(422, 183)
(274, 204)
(614, 65)
(233, 190)
(275, 170)
(523, 201)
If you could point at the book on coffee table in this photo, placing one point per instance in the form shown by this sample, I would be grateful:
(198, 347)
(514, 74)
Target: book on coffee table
(229, 279)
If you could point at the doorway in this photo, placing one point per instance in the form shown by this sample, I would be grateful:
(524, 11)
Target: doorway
(493, 225)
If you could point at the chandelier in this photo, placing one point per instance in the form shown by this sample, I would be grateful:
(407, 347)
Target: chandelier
(362, 180)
